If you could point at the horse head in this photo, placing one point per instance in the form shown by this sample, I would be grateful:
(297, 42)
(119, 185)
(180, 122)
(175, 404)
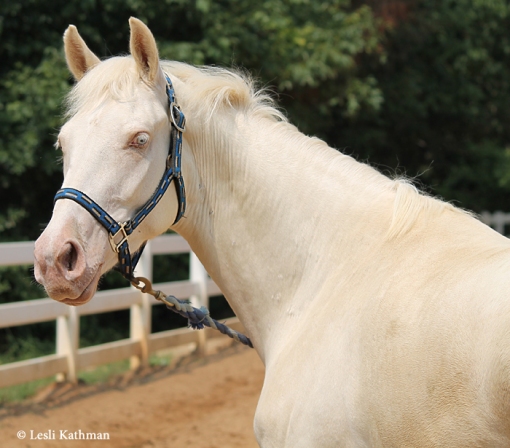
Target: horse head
(115, 150)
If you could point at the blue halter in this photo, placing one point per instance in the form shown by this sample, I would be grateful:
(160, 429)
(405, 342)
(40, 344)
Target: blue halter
(118, 232)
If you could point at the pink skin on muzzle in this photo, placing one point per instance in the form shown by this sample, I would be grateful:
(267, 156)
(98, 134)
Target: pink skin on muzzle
(64, 268)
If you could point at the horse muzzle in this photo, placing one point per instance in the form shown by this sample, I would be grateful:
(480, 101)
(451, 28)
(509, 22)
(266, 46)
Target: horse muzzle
(61, 267)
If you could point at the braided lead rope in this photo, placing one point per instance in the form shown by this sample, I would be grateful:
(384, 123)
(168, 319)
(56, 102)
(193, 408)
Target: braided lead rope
(197, 318)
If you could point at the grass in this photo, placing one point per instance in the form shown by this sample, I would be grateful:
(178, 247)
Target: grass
(100, 374)
(155, 360)
(20, 392)
(20, 349)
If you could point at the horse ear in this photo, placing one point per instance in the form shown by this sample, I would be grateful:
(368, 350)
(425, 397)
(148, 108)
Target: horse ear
(143, 49)
(78, 56)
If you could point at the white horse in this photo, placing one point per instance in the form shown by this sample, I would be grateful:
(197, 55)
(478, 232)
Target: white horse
(382, 315)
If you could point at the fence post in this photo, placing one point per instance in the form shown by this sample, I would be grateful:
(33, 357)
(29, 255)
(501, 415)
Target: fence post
(486, 218)
(68, 336)
(198, 275)
(140, 314)
(499, 220)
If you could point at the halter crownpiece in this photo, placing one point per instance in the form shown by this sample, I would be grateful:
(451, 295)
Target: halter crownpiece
(118, 232)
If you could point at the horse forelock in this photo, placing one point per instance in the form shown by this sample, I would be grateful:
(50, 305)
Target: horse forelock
(115, 78)
(209, 89)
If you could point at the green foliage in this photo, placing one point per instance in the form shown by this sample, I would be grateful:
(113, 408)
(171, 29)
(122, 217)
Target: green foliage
(291, 43)
(446, 110)
(29, 118)
(25, 344)
(19, 392)
(105, 372)
(17, 279)
(305, 50)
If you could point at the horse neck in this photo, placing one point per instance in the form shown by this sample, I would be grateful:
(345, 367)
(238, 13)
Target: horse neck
(268, 209)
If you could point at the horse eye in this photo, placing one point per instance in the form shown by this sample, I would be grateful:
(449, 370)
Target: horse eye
(140, 140)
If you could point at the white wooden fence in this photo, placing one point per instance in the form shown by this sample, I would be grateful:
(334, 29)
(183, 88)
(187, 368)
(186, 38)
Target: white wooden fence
(69, 358)
(497, 220)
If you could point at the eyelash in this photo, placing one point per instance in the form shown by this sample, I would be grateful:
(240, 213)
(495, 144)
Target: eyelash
(135, 144)
(58, 147)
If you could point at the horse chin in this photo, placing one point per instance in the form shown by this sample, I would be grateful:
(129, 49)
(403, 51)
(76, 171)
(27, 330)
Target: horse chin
(87, 293)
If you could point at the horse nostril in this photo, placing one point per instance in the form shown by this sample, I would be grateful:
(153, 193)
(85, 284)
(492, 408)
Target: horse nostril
(71, 257)
(68, 258)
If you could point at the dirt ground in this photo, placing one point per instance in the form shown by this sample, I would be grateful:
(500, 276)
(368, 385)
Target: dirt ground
(202, 403)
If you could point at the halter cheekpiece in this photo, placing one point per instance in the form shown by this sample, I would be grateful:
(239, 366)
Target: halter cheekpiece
(118, 232)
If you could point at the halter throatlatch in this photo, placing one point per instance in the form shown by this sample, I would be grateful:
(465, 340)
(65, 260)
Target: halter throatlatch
(118, 232)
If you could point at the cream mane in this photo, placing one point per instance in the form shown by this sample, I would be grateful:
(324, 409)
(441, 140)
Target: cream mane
(210, 88)
(410, 203)
(215, 89)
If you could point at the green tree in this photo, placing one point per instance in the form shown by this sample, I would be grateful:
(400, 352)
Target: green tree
(446, 90)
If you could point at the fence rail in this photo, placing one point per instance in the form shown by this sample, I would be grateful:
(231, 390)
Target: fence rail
(69, 358)
(497, 220)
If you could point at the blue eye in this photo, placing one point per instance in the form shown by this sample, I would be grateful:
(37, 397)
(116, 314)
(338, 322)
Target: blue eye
(140, 140)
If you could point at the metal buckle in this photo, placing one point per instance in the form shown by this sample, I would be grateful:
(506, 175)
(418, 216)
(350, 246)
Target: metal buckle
(174, 107)
(116, 246)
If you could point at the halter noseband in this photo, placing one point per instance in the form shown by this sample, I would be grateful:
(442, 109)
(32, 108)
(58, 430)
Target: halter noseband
(118, 232)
